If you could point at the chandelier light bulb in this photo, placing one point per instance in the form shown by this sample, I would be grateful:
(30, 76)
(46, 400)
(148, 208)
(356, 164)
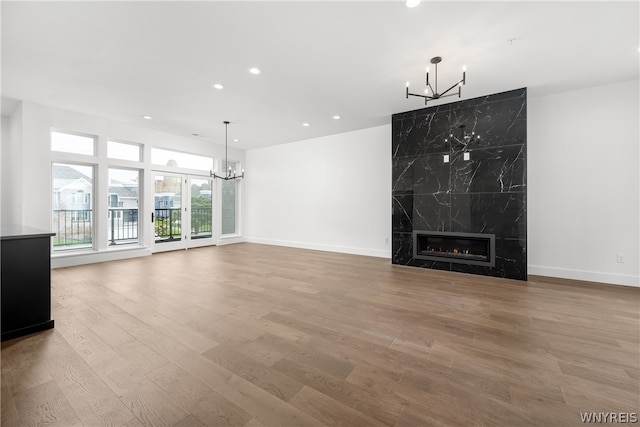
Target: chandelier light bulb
(407, 84)
(464, 68)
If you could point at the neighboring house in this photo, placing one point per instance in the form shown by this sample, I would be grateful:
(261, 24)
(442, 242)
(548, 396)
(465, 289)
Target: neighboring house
(72, 192)
(123, 200)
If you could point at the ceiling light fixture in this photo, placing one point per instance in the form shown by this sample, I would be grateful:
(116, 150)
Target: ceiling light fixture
(218, 86)
(306, 125)
(229, 173)
(336, 117)
(254, 70)
(412, 3)
(434, 91)
(146, 117)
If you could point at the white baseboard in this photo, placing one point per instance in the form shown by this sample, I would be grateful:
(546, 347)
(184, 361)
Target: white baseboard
(59, 260)
(320, 247)
(589, 276)
(230, 240)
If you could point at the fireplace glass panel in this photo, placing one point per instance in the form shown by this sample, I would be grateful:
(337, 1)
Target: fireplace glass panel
(465, 248)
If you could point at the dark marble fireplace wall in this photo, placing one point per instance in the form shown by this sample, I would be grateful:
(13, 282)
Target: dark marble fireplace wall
(485, 194)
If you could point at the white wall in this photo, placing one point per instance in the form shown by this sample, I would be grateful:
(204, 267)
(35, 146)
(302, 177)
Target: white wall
(11, 201)
(26, 171)
(583, 195)
(330, 193)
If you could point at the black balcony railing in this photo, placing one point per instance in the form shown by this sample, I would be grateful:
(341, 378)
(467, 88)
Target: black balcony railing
(168, 224)
(201, 220)
(123, 225)
(73, 228)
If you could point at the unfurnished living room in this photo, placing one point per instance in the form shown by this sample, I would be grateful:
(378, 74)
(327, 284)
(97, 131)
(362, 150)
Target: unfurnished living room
(320, 213)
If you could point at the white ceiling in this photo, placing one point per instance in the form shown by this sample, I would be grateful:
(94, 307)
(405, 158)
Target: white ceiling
(122, 60)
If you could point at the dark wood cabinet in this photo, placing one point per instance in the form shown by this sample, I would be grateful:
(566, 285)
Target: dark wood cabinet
(25, 281)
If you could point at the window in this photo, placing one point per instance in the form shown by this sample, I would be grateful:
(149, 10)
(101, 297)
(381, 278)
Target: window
(123, 151)
(180, 159)
(81, 198)
(72, 210)
(229, 203)
(70, 143)
(123, 201)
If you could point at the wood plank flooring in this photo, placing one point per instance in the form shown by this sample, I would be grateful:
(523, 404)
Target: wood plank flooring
(256, 335)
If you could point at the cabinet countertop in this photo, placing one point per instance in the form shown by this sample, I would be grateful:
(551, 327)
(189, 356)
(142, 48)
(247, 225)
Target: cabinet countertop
(13, 232)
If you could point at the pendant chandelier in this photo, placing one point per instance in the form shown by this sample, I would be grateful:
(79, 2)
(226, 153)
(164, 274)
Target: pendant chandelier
(229, 172)
(434, 89)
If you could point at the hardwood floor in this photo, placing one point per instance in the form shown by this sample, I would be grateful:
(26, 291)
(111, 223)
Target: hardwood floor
(255, 335)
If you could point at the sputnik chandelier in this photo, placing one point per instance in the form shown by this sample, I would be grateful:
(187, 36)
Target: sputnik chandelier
(229, 173)
(434, 89)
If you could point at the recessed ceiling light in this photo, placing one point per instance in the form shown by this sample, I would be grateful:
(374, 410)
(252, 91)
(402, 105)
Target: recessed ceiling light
(412, 3)
(218, 86)
(146, 117)
(306, 124)
(254, 70)
(336, 117)
(235, 140)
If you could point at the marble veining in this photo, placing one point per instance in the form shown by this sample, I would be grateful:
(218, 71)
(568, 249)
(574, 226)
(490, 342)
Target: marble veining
(445, 182)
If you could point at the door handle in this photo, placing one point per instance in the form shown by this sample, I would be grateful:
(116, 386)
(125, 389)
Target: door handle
(152, 219)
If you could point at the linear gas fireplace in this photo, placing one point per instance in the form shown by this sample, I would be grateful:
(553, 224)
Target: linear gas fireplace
(462, 248)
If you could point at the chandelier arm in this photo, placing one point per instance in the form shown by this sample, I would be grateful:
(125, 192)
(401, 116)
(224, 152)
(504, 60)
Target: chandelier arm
(226, 178)
(431, 87)
(456, 84)
(420, 95)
